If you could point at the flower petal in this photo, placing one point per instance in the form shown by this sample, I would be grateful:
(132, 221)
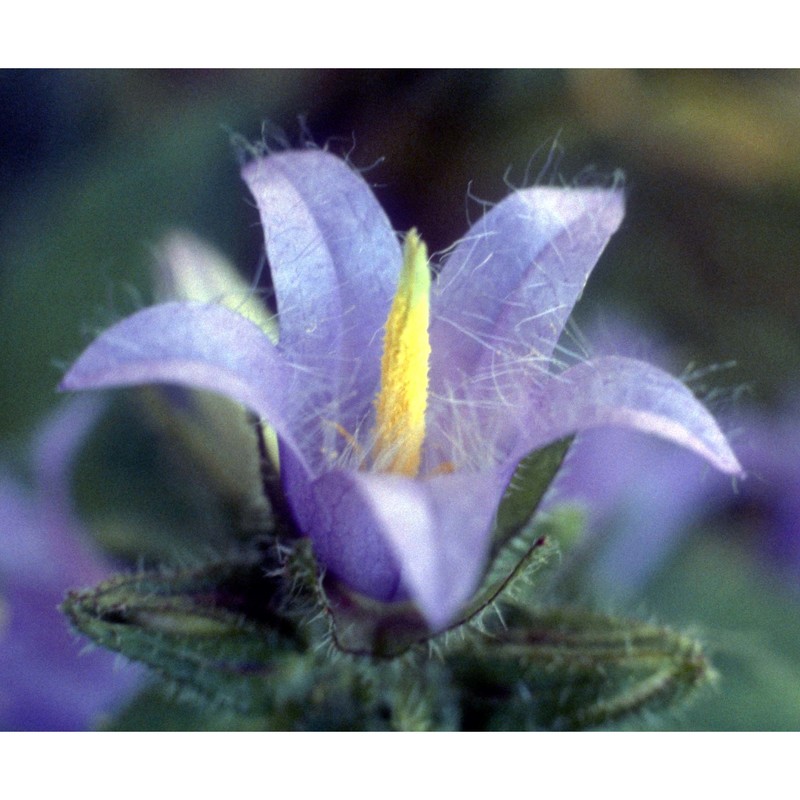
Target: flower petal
(201, 346)
(335, 262)
(627, 393)
(438, 531)
(346, 534)
(505, 293)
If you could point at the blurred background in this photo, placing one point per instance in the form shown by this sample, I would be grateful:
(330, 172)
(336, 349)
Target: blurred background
(97, 166)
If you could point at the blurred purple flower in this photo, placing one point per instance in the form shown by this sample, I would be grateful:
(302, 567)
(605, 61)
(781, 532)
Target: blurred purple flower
(491, 393)
(46, 683)
(639, 494)
(640, 497)
(771, 498)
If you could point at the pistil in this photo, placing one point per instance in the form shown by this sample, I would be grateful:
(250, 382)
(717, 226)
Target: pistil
(402, 398)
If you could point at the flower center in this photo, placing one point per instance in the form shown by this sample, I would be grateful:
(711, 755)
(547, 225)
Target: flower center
(403, 394)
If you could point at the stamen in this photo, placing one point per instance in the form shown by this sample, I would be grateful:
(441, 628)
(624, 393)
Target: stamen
(403, 395)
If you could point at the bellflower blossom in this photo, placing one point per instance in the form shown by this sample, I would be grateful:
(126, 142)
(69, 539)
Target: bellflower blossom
(402, 403)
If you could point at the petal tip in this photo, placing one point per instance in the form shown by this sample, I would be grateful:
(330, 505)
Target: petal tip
(731, 465)
(68, 382)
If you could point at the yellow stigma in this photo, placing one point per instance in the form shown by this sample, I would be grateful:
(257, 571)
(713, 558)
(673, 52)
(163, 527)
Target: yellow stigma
(403, 395)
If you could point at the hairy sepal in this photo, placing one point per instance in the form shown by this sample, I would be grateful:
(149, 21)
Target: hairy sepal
(221, 631)
(571, 669)
(530, 482)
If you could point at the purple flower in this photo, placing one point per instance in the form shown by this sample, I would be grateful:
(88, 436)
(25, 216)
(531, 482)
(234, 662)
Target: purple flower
(403, 410)
(771, 500)
(46, 683)
(639, 494)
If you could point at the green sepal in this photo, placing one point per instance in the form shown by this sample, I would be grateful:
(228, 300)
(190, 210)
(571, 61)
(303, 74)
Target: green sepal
(565, 668)
(243, 645)
(362, 626)
(527, 487)
(520, 546)
(225, 632)
(523, 570)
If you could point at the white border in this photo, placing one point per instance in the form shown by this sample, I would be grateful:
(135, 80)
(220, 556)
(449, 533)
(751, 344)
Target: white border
(422, 33)
(389, 766)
